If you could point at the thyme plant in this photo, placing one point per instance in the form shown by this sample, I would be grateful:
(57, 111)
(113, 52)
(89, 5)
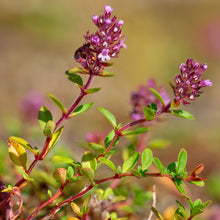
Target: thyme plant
(149, 103)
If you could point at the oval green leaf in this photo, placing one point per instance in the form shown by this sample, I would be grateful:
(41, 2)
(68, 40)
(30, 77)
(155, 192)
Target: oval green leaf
(57, 102)
(146, 158)
(55, 138)
(109, 116)
(182, 160)
(157, 94)
(149, 113)
(17, 153)
(109, 163)
(44, 116)
(182, 114)
(81, 109)
(130, 162)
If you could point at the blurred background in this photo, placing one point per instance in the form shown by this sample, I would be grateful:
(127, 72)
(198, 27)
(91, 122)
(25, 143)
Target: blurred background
(37, 43)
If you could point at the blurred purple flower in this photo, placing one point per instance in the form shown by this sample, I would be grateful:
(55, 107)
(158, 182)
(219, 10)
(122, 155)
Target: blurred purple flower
(143, 97)
(189, 82)
(103, 44)
(95, 137)
(31, 104)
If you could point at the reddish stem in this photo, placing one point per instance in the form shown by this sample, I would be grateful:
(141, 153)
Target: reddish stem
(47, 141)
(89, 187)
(51, 200)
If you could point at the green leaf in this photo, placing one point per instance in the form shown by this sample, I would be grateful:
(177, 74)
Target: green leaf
(44, 116)
(76, 209)
(61, 159)
(159, 165)
(109, 116)
(78, 70)
(135, 132)
(93, 90)
(25, 175)
(70, 173)
(157, 94)
(179, 187)
(55, 138)
(22, 142)
(130, 162)
(49, 128)
(149, 113)
(108, 193)
(109, 163)
(97, 147)
(146, 158)
(74, 78)
(136, 173)
(181, 209)
(158, 144)
(87, 156)
(81, 109)
(153, 106)
(17, 153)
(87, 172)
(198, 183)
(57, 102)
(182, 114)
(156, 213)
(182, 160)
(106, 74)
(109, 138)
(89, 160)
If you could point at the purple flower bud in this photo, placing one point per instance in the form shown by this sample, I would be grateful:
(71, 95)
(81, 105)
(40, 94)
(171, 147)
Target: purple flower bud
(95, 18)
(188, 82)
(95, 39)
(206, 82)
(108, 21)
(108, 9)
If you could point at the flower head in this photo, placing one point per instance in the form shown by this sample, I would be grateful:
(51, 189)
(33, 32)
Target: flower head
(189, 81)
(103, 44)
(143, 97)
(31, 104)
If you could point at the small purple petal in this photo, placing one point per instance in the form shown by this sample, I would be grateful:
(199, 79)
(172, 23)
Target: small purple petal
(206, 82)
(108, 9)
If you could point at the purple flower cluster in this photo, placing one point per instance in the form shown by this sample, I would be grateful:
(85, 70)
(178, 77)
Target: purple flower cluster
(143, 97)
(31, 104)
(103, 44)
(188, 82)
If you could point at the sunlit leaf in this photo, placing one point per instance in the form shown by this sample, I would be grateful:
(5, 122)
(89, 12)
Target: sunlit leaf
(17, 153)
(158, 95)
(149, 113)
(61, 159)
(159, 165)
(182, 160)
(109, 116)
(136, 132)
(130, 163)
(109, 163)
(81, 109)
(55, 137)
(182, 114)
(146, 158)
(93, 90)
(73, 77)
(44, 116)
(49, 128)
(57, 102)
